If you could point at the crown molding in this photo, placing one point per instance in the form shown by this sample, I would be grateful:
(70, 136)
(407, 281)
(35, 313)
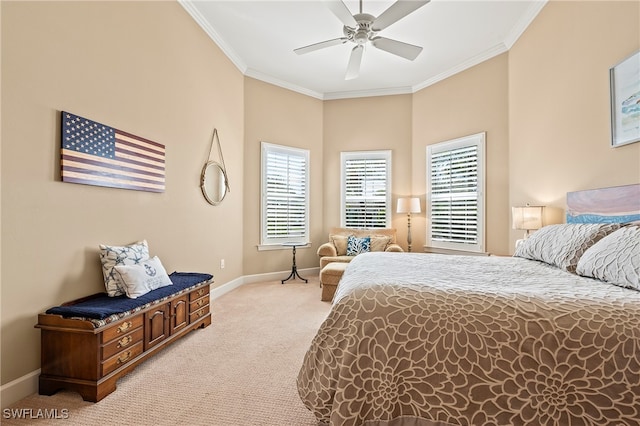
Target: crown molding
(327, 96)
(520, 27)
(471, 62)
(368, 93)
(189, 6)
(250, 72)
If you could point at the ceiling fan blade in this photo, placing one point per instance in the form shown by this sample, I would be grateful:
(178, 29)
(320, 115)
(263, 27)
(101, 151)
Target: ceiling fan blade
(405, 50)
(342, 12)
(321, 45)
(397, 11)
(353, 69)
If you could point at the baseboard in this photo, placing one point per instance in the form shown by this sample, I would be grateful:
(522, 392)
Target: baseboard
(28, 384)
(216, 292)
(275, 276)
(19, 388)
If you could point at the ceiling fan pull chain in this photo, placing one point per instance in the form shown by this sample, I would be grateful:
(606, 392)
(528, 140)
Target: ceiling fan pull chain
(360, 6)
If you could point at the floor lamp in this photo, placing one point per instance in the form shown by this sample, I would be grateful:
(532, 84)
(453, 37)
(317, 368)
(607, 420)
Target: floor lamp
(408, 206)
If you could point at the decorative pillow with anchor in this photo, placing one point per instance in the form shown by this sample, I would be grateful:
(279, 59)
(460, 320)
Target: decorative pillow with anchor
(142, 278)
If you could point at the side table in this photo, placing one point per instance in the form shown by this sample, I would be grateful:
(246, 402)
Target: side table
(294, 268)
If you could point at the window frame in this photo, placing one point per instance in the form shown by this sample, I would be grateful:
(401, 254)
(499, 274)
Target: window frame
(385, 155)
(267, 242)
(479, 140)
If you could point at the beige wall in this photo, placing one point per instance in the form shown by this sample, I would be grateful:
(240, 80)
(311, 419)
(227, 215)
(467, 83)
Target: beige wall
(143, 67)
(283, 117)
(470, 102)
(367, 124)
(147, 68)
(559, 128)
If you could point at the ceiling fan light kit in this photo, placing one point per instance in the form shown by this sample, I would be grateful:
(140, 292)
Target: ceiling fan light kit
(362, 28)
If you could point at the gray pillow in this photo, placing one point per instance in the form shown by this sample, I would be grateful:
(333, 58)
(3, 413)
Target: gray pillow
(562, 245)
(110, 256)
(614, 259)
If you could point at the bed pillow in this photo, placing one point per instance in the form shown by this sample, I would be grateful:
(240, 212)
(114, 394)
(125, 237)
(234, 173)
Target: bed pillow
(614, 259)
(379, 242)
(562, 245)
(356, 245)
(142, 278)
(340, 242)
(110, 256)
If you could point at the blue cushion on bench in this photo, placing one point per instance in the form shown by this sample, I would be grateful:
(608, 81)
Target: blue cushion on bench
(102, 306)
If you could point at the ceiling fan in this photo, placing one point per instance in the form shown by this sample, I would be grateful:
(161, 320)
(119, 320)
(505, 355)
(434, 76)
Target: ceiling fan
(362, 28)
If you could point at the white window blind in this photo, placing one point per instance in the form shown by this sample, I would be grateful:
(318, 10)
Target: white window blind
(455, 198)
(285, 194)
(366, 189)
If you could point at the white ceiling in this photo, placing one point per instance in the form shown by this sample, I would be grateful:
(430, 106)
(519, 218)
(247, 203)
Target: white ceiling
(259, 37)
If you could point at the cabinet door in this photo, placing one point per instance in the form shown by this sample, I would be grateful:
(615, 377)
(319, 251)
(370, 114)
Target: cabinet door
(156, 325)
(179, 313)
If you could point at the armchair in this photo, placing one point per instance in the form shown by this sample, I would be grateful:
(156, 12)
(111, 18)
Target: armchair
(335, 250)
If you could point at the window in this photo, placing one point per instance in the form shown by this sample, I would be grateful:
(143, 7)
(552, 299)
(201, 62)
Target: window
(455, 194)
(366, 189)
(285, 194)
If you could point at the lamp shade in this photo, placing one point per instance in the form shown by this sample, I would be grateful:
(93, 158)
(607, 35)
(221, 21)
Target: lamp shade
(527, 217)
(408, 205)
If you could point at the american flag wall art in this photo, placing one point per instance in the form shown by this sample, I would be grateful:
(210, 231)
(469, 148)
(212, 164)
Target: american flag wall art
(96, 154)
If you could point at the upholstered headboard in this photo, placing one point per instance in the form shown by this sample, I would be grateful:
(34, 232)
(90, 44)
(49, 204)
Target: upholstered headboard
(616, 204)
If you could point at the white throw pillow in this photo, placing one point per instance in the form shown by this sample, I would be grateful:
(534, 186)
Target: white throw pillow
(614, 259)
(142, 278)
(563, 244)
(110, 256)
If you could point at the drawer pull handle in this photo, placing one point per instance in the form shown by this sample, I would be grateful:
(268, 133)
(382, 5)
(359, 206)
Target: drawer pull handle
(199, 314)
(201, 292)
(124, 357)
(200, 302)
(124, 342)
(125, 326)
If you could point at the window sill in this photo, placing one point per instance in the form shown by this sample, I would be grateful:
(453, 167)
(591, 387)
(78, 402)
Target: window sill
(267, 247)
(428, 249)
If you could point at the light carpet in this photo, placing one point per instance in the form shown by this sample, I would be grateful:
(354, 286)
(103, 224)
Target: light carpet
(241, 370)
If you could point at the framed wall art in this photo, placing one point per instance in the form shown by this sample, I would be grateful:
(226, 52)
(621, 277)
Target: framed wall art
(96, 154)
(625, 101)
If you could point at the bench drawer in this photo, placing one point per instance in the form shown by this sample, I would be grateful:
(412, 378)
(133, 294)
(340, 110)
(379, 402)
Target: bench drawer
(121, 329)
(198, 293)
(121, 358)
(195, 316)
(124, 342)
(199, 303)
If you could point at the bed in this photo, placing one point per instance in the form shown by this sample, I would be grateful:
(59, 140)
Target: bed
(550, 336)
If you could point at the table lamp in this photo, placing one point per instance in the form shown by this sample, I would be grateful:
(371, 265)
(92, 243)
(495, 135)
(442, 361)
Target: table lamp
(528, 218)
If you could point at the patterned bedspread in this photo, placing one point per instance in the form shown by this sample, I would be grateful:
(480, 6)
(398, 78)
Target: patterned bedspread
(427, 339)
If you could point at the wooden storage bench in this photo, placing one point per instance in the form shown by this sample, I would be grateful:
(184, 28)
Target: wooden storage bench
(86, 347)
